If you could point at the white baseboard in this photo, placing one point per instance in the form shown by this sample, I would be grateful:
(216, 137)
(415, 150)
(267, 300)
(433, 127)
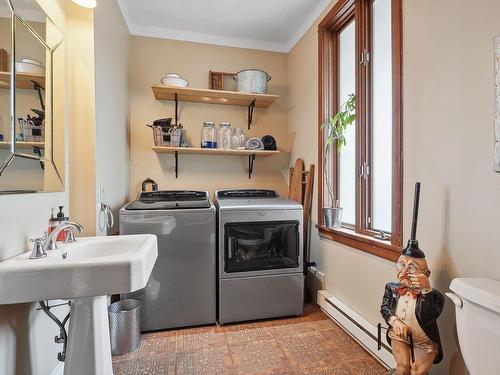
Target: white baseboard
(359, 328)
(58, 370)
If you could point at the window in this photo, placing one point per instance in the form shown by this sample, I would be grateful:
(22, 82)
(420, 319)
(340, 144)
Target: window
(360, 53)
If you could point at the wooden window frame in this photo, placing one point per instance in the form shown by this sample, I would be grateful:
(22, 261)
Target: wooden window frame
(336, 20)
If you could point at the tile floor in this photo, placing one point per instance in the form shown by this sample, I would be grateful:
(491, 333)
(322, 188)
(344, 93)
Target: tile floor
(311, 344)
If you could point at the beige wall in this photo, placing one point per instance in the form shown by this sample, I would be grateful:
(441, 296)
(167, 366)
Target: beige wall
(448, 139)
(82, 162)
(111, 109)
(150, 60)
(99, 146)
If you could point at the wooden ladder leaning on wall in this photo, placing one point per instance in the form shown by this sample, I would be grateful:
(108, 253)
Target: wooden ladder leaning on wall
(301, 191)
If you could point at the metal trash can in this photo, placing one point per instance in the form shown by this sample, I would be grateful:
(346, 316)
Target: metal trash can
(125, 326)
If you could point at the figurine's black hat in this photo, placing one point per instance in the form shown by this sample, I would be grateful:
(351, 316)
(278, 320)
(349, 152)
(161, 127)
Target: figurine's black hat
(412, 249)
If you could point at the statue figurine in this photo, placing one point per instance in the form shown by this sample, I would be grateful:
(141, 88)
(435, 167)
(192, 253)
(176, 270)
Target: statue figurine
(411, 308)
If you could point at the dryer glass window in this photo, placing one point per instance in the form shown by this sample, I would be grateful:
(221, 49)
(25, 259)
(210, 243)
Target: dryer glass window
(261, 246)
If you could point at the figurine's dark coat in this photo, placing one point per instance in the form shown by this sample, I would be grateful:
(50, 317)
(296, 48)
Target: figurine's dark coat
(428, 308)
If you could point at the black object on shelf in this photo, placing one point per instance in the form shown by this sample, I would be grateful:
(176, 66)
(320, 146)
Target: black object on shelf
(163, 122)
(269, 143)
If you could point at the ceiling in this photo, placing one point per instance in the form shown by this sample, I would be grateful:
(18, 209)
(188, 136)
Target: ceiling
(272, 25)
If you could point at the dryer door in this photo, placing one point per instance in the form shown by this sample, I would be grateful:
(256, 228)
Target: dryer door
(259, 246)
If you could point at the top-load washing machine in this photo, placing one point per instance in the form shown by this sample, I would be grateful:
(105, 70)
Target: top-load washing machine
(181, 288)
(260, 260)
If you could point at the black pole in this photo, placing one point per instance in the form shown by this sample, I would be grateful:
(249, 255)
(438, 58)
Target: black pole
(412, 249)
(176, 108)
(416, 202)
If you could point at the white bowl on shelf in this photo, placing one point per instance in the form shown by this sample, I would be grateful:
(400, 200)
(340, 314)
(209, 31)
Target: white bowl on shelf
(30, 66)
(174, 79)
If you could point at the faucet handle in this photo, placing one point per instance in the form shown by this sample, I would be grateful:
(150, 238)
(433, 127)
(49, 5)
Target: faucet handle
(37, 251)
(70, 235)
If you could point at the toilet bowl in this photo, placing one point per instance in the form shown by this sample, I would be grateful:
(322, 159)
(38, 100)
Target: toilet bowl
(477, 306)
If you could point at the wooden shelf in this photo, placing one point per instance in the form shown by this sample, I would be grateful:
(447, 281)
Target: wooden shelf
(23, 80)
(185, 94)
(5, 144)
(211, 151)
(251, 154)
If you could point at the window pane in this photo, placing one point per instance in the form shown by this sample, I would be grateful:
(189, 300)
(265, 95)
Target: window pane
(347, 155)
(382, 116)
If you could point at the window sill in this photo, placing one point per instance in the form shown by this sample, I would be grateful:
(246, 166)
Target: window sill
(362, 242)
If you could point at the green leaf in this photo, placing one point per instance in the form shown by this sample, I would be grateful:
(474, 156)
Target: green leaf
(338, 124)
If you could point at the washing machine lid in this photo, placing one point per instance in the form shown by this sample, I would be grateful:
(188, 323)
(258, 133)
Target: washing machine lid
(253, 199)
(170, 199)
(484, 292)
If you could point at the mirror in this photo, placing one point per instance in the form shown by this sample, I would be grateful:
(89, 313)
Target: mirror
(32, 95)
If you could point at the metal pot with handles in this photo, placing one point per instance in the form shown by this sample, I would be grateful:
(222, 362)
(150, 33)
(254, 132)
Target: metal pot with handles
(252, 81)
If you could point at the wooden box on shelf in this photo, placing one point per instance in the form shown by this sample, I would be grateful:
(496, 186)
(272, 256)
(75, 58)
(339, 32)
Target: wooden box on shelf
(216, 79)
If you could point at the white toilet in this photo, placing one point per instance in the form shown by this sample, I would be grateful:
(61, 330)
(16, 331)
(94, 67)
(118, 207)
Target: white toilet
(477, 305)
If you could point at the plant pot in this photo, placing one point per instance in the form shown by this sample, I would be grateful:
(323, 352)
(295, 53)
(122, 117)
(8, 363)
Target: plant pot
(333, 217)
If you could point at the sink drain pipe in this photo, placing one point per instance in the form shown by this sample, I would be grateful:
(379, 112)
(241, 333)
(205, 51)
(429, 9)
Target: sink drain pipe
(63, 336)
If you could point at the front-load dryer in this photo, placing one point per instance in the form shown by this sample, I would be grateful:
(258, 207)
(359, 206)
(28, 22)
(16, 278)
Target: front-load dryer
(260, 260)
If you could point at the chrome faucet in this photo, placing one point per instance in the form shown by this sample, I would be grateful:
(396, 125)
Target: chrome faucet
(70, 226)
(37, 252)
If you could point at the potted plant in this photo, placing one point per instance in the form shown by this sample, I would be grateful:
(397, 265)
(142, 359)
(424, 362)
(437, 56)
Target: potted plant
(335, 134)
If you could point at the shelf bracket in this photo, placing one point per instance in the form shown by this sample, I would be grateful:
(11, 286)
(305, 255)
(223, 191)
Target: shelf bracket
(251, 106)
(176, 108)
(176, 163)
(251, 159)
(37, 151)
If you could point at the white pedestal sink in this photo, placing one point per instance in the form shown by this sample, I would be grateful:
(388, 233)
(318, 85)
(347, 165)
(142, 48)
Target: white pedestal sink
(84, 272)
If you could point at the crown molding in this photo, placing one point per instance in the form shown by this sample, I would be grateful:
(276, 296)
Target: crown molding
(313, 16)
(221, 40)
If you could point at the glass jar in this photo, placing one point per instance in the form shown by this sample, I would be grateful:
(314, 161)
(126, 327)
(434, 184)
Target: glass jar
(208, 135)
(224, 136)
(238, 139)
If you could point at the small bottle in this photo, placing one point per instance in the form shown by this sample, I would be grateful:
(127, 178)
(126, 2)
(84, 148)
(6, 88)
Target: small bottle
(224, 136)
(55, 221)
(238, 139)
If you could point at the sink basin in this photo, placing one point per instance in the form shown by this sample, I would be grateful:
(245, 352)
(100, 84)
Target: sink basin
(84, 272)
(92, 266)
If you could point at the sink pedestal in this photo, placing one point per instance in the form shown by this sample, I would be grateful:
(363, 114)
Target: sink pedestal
(89, 348)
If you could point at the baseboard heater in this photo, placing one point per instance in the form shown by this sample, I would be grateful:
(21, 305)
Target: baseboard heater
(357, 327)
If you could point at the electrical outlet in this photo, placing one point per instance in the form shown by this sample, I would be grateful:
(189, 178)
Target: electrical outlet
(317, 274)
